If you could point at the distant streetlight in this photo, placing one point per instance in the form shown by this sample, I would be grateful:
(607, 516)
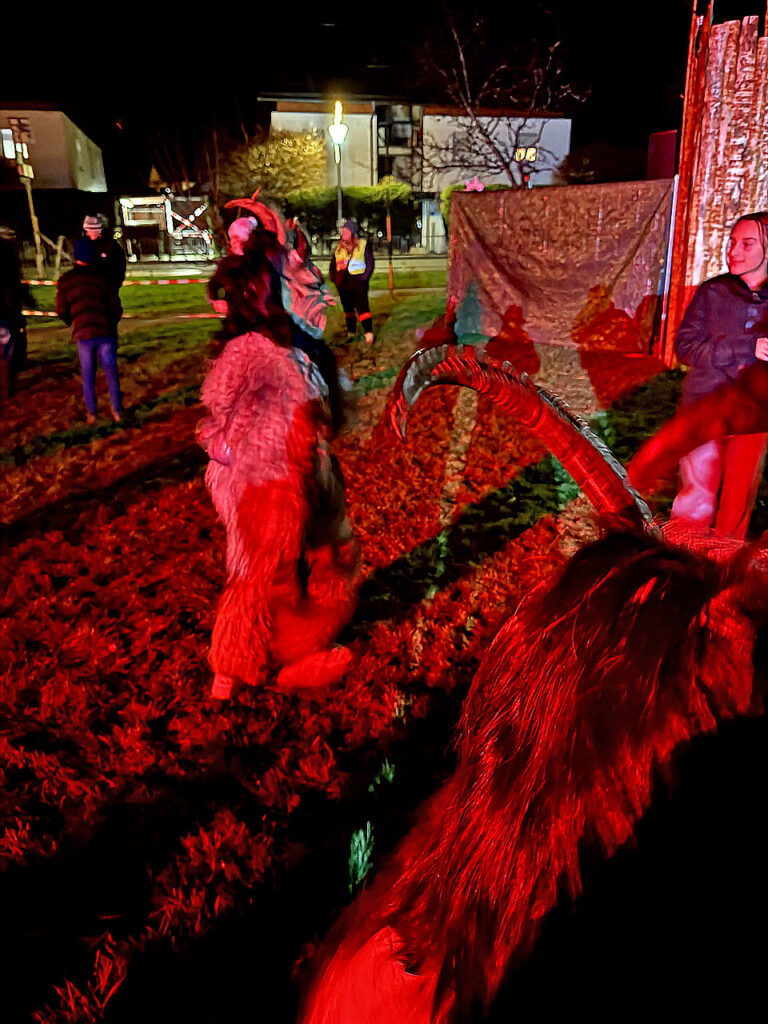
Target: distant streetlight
(338, 132)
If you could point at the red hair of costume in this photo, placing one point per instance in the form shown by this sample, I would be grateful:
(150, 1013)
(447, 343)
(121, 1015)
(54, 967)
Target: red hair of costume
(584, 695)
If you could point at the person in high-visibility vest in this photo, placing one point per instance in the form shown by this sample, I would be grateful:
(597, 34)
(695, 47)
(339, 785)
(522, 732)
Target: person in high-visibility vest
(351, 268)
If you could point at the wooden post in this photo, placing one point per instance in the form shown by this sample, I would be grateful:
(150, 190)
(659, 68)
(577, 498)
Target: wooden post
(35, 227)
(698, 48)
(59, 247)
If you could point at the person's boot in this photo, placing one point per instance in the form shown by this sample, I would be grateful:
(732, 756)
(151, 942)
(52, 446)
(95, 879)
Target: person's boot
(90, 419)
(320, 669)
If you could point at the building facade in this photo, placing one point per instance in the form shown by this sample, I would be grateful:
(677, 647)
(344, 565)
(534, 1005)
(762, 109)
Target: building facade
(429, 147)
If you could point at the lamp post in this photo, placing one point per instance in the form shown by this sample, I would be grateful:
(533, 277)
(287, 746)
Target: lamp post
(338, 132)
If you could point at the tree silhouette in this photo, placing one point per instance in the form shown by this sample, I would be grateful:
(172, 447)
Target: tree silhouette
(500, 95)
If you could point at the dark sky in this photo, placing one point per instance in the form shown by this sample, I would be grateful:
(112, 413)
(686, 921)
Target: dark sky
(155, 72)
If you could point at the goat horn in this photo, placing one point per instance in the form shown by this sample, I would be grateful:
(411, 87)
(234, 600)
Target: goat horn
(588, 460)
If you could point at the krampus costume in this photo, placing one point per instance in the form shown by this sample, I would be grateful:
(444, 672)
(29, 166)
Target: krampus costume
(291, 560)
(586, 693)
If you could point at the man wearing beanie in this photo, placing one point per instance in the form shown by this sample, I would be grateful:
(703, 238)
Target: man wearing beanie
(88, 303)
(351, 269)
(108, 255)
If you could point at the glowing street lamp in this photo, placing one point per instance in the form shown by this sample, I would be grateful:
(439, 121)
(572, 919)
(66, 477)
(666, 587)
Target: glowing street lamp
(338, 132)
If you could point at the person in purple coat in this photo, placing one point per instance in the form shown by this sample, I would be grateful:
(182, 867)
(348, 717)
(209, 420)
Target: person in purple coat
(724, 329)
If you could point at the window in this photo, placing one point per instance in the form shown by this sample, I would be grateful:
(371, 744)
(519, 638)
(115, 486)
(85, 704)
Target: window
(9, 150)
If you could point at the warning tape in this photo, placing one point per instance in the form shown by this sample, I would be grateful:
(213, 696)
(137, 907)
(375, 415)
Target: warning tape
(130, 284)
(135, 316)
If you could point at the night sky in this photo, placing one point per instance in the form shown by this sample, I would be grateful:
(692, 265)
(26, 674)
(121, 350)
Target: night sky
(160, 74)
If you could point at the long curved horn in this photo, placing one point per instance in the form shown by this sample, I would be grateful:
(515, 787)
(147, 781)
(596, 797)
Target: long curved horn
(591, 464)
(738, 408)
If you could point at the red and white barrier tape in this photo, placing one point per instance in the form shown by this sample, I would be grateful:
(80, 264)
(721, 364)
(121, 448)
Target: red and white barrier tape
(153, 280)
(135, 316)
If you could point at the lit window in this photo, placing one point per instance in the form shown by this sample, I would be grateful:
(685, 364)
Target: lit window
(9, 150)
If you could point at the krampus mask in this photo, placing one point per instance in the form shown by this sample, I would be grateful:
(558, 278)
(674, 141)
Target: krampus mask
(643, 642)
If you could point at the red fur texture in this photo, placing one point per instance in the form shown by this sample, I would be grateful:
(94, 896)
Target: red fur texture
(583, 697)
(271, 480)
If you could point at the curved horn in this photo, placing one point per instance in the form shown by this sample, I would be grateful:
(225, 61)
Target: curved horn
(738, 408)
(591, 464)
(268, 217)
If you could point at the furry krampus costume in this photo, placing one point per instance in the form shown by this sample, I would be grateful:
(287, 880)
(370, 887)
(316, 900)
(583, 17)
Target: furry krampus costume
(585, 694)
(290, 558)
(265, 279)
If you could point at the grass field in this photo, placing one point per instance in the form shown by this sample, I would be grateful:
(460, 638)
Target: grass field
(167, 858)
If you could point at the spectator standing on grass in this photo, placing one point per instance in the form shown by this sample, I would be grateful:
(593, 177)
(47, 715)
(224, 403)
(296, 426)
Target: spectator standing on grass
(351, 268)
(108, 255)
(90, 305)
(725, 328)
(14, 296)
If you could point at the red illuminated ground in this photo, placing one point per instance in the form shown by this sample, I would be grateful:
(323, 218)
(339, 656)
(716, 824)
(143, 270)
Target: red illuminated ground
(167, 857)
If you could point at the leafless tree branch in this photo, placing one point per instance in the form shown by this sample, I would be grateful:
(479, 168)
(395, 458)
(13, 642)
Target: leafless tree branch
(489, 143)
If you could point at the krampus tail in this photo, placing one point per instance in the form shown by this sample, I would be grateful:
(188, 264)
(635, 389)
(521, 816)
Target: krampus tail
(584, 695)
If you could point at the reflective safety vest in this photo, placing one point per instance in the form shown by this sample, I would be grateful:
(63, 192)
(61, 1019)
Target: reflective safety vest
(354, 262)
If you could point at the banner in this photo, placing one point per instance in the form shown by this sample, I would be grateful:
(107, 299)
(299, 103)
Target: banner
(555, 259)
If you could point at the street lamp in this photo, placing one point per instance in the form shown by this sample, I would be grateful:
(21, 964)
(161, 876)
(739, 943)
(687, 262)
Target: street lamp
(338, 132)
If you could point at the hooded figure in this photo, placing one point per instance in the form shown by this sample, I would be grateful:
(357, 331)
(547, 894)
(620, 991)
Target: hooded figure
(291, 562)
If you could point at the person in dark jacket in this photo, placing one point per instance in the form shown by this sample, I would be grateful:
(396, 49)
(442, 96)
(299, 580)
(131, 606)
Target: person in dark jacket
(725, 328)
(245, 289)
(351, 268)
(14, 296)
(90, 305)
(108, 256)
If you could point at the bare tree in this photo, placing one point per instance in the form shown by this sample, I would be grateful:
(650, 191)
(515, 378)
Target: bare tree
(500, 99)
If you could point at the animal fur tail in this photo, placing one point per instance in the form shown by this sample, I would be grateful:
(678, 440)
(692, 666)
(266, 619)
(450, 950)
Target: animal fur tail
(584, 696)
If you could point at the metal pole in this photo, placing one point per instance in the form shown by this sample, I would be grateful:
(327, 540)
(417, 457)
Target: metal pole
(339, 217)
(389, 249)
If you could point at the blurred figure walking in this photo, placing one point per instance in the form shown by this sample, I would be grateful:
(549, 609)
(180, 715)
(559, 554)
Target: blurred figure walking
(14, 296)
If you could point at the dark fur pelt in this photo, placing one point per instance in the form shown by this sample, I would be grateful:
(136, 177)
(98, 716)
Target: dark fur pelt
(583, 698)
(251, 287)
